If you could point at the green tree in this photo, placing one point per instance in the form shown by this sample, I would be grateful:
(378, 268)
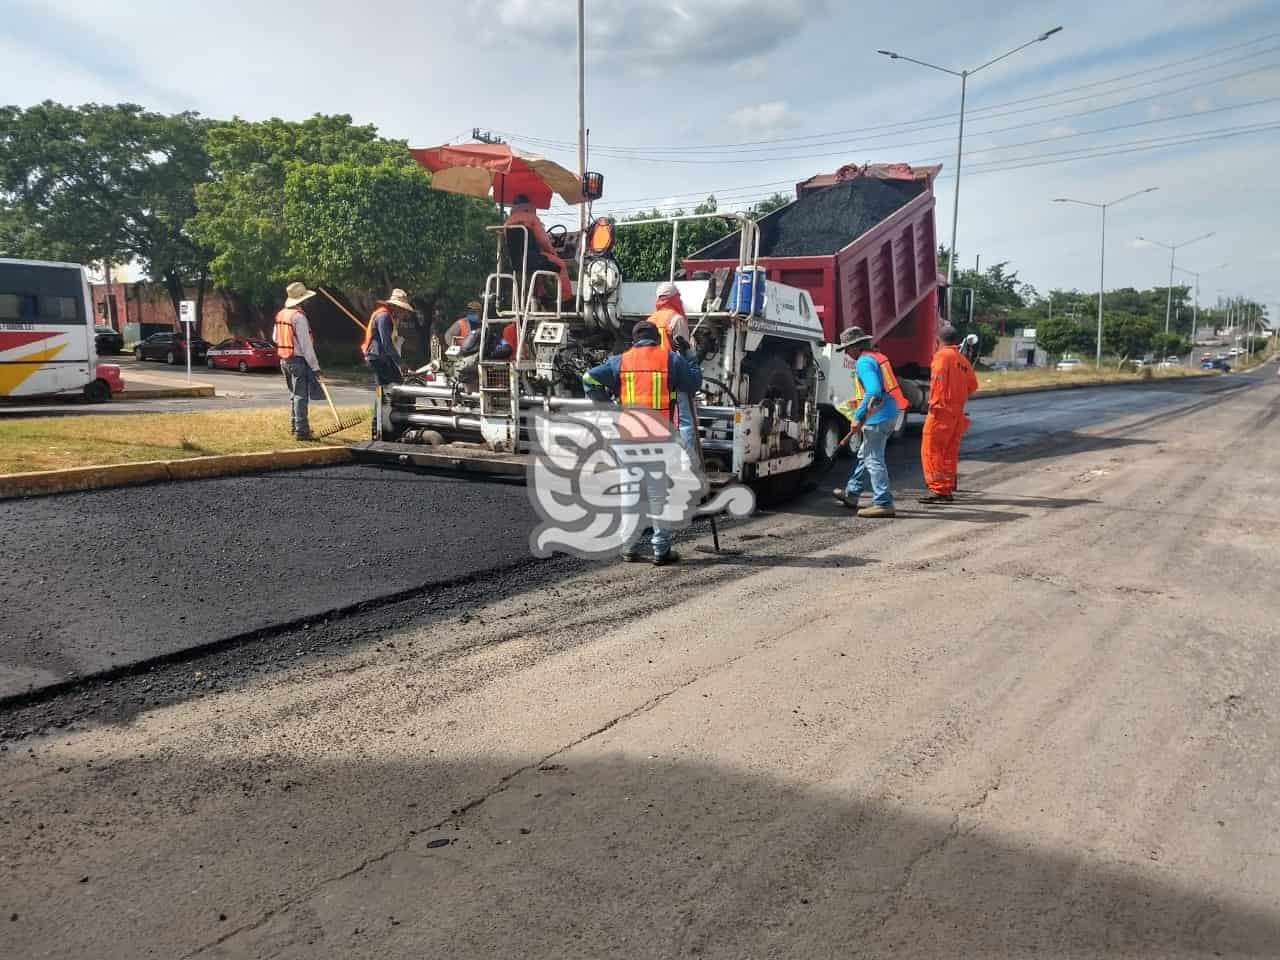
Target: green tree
(1062, 335)
(104, 183)
(1169, 344)
(242, 216)
(644, 252)
(770, 204)
(1126, 335)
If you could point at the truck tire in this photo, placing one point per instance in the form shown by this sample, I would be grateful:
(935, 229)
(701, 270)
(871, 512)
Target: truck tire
(831, 430)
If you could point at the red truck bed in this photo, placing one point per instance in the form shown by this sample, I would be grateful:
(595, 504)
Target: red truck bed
(861, 241)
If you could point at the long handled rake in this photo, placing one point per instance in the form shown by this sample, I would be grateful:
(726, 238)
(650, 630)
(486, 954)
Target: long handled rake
(338, 423)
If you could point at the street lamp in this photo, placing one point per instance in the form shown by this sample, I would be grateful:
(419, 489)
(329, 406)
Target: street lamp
(1102, 256)
(964, 76)
(1173, 250)
(1195, 309)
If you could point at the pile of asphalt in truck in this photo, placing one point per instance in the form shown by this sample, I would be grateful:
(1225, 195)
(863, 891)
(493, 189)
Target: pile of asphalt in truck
(824, 220)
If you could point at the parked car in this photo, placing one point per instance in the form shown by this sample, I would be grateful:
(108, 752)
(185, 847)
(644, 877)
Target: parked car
(243, 354)
(1169, 363)
(109, 340)
(1217, 363)
(1000, 366)
(171, 348)
(1235, 351)
(1069, 363)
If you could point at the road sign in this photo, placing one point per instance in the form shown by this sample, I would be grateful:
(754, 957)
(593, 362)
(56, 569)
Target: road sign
(187, 314)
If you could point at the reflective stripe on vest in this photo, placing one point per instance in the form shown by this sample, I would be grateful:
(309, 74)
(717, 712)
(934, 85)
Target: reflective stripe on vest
(663, 319)
(284, 332)
(644, 380)
(887, 377)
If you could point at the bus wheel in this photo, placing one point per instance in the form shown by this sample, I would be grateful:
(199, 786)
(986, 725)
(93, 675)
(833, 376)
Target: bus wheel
(97, 391)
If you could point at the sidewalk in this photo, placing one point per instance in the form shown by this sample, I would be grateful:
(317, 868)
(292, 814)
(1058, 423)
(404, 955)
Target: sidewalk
(162, 384)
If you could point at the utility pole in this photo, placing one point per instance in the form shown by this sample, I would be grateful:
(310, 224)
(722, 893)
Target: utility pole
(485, 136)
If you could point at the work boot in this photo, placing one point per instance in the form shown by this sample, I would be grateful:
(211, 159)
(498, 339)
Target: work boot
(841, 496)
(938, 498)
(874, 512)
(630, 557)
(662, 560)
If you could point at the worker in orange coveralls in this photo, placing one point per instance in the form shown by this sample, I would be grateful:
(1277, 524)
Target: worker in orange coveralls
(951, 382)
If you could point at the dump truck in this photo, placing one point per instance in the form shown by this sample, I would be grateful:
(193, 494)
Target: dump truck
(765, 306)
(862, 243)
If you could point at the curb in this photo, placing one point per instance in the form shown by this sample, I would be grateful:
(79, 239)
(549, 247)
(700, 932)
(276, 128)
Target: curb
(43, 483)
(1087, 385)
(161, 393)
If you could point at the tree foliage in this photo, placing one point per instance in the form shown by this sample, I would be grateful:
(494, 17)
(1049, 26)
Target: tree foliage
(104, 183)
(1127, 335)
(242, 215)
(1063, 335)
(644, 252)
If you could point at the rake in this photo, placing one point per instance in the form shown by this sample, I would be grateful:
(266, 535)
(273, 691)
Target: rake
(339, 423)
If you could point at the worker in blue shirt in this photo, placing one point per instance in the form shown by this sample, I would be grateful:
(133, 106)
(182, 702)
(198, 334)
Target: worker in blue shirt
(873, 412)
(649, 377)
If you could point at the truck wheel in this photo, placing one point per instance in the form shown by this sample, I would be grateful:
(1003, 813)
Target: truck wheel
(97, 391)
(900, 425)
(831, 430)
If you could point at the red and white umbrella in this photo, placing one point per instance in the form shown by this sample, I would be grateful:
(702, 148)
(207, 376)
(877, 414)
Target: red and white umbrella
(481, 169)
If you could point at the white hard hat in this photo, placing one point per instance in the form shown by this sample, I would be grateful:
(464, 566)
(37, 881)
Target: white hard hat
(667, 289)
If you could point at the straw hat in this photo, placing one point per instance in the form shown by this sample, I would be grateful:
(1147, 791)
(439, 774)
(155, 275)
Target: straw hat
(473, 305)
(399, 299)
(296, 293)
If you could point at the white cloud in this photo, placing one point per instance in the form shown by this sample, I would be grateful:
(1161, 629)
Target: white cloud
(1201, 104)
(763, 119)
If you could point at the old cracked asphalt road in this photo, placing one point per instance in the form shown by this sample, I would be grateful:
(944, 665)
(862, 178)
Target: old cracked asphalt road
(1039, 723)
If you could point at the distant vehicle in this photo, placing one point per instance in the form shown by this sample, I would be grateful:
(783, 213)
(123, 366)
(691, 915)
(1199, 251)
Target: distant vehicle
(47, 337)
(109, 340)
(1069, 363)
(171, 348)
(1000, 366)
(107, 382)
(1169, 364)
(1234, 352)
(1140, 363)
(1217, 363)
(243, 354)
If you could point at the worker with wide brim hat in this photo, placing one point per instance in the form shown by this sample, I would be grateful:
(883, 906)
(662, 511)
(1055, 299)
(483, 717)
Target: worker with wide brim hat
(380, 349)
(872, 412)
(298, 362)
(853, 337)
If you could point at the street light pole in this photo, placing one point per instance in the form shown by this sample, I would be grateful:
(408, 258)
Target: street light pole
(1173, 251)
(1102, 257)
(964, 76)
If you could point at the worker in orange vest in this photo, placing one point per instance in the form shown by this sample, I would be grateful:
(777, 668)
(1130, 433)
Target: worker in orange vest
(542, 253)
(649, 376)
(873, 412)
(379, 346)
(673, 330)
(461, 328)
(298, 361)
(951, 383)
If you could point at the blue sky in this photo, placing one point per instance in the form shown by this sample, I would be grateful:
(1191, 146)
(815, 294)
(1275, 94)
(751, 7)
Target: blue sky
(743, 97)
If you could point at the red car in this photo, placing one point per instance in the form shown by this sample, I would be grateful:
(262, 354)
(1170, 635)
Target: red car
(243, 354)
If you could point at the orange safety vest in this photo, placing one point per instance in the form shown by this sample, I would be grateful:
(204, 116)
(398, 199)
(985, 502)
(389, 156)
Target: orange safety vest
(663, 319)
(888, 377)
(644, 380)
(368, 331)
(284, 332)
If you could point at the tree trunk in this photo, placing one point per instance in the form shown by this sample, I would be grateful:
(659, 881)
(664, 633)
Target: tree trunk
(201, 283)
(173, 284)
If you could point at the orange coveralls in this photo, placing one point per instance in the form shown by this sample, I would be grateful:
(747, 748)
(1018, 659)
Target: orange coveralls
(951, 381)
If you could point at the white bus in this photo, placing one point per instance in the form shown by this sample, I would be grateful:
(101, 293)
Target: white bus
(47, 333)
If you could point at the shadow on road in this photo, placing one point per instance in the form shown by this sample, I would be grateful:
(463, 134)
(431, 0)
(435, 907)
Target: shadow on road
(1054, 445)
(607, 856)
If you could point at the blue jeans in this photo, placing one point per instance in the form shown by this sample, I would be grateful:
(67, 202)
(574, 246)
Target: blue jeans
(688, 428)
(301, 381)
(660, 538)
(871, 465)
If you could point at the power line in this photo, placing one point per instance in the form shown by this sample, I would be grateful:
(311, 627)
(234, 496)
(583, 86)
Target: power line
(1068, 156)
(746, 145)
(778, 158)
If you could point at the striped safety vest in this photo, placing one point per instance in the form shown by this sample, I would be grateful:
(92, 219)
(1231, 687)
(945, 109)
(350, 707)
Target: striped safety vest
(644, 380)
(368, 331)
(889, 378)
(662, 319)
